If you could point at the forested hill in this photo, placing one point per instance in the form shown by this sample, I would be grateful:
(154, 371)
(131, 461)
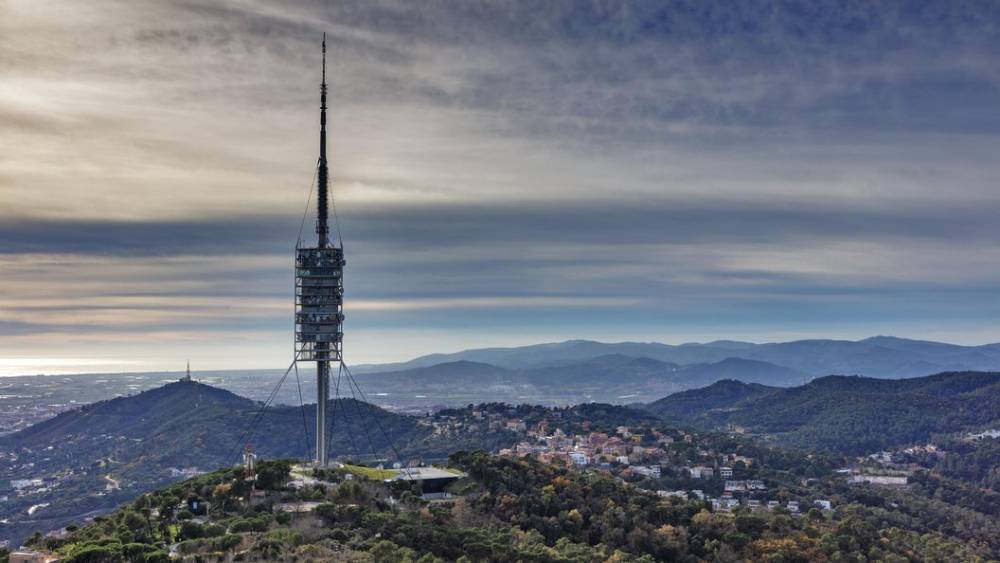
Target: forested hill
(99, 455)
(190, 424)
(847, 414)
(138, 416)
(719, 395)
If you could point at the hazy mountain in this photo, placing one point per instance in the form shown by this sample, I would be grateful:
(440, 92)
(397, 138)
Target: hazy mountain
(750, 371)
(439, 376)
(611, 378)
(880, 356)
(848, 414)
(540, 355)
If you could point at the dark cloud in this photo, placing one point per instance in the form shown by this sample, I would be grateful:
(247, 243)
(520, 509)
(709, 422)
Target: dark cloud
(607, 222)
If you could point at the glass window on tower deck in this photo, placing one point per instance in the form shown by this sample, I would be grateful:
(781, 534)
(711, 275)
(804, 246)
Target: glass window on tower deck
(330, 257)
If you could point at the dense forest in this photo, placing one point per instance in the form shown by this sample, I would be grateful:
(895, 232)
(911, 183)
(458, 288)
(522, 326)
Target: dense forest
(506, 510)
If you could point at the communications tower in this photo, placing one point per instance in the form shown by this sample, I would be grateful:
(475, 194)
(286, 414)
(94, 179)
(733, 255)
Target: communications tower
(319, 292)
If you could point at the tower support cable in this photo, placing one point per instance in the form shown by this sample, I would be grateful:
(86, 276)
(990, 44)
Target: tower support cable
(302, 408)
(248, 431)
(378, 423)
(359, 412)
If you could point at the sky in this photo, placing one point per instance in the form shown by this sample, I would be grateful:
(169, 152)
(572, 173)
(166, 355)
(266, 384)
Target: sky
(505, 173)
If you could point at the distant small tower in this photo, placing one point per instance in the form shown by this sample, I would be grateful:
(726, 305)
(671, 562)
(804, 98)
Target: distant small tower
(187, 375)
(250, 470)
(249, 463)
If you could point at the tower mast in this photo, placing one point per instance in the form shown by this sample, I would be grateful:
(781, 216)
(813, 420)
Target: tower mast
(322, 226)
(323, 232)
(319, 291)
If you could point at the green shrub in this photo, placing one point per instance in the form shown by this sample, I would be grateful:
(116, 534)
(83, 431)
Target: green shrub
(226, 542)
(191, 530)
(253, 524)
(135, 551)
(189, 546)
(213, 530)
(285, 536)
(96, 554)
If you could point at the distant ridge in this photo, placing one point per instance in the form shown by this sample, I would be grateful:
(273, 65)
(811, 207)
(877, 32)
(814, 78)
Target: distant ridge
(877, 356)
(614, 378)
(750, 371)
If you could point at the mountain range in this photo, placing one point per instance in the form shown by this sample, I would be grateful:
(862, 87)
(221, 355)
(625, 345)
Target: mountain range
(878, 356)
(553, 374)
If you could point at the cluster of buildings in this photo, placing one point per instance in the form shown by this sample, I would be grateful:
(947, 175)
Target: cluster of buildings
(736, 492)
(899, 480)
(633, 453)
(25, 487)
(14, 417)
(726, 504)
(747, 485)
(992, 433)
(889, 468)
(185, 473)
(745, 494)
(621, 452)
(705, 472)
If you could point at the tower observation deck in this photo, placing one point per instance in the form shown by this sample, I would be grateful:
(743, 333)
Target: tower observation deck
(319, 293)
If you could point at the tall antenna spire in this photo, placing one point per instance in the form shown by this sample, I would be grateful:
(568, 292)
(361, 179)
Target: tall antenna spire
(319, 293)
(322, 226)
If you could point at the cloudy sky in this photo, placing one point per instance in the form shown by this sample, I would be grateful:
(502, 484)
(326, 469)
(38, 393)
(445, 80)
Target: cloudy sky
(505, 173)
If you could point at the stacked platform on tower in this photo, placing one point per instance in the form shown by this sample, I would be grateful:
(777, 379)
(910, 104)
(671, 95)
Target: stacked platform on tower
(319, 303)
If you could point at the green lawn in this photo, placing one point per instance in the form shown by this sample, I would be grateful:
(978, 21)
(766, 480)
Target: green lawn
(371, 472)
